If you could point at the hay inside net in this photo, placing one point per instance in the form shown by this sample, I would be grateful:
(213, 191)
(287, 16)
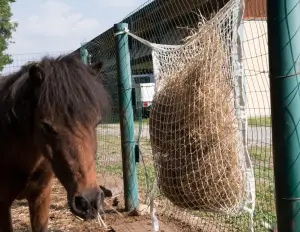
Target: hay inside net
(194, 129)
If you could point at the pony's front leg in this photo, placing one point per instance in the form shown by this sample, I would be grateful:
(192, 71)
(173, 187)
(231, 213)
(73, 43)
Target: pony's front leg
(5, 218)
(39, 203)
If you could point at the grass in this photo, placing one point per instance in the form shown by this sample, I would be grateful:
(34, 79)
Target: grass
(263, 171)
(145, 173)
(109, 156)
(116, 124)
(262, 161)
(253, 122)
(260, 122)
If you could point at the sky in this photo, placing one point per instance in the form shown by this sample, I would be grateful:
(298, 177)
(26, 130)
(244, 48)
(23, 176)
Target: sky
(60, 26)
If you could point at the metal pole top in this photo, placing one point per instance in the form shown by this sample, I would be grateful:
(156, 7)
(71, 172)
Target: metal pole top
(120, 27)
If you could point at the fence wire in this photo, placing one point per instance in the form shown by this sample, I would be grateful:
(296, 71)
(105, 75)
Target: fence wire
(167, 22)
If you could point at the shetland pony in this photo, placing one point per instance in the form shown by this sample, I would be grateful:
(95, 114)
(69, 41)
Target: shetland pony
(48, 114)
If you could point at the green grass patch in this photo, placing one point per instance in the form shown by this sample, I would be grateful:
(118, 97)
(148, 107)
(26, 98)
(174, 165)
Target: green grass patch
(114, 125)
(265, 211)
(255, 121)
(259, 121)
(145, 173)
(265, 199)
(107, 126)
(261, 154)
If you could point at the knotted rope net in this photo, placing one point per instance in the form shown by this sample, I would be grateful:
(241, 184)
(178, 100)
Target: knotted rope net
(197, 120)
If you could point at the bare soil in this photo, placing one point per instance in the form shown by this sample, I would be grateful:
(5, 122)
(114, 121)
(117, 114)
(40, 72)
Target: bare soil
(62, 220)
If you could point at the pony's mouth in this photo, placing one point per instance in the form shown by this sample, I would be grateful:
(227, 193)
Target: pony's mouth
(85, 214)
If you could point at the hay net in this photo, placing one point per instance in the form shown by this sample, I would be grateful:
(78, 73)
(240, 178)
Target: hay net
(198, 118)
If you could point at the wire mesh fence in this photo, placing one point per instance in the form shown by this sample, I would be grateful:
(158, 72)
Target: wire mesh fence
(169, 22)
(20, 60)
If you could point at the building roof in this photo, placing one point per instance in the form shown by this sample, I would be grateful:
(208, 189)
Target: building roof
(159, 21)
(164, 22)
(255, 10)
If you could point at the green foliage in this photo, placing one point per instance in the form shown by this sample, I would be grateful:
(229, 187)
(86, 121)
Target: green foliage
(6, 29)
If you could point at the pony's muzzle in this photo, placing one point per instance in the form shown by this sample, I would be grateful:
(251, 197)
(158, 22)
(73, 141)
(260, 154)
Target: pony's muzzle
(88, 204)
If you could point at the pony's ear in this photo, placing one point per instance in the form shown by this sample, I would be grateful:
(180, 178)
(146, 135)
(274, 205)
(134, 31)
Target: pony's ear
(36, 75)
(97, 66)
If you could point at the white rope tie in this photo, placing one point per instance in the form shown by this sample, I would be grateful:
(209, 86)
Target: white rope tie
(153, 46)
(121, 32)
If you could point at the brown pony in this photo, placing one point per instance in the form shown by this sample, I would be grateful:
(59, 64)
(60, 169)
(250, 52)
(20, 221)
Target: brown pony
(48, 115)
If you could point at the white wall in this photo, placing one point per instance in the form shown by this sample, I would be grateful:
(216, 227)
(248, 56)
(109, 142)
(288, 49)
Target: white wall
(256, 65)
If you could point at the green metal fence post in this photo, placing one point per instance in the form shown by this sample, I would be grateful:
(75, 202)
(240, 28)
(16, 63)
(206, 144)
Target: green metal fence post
(284, 52)
(126, 116)
(84, 54)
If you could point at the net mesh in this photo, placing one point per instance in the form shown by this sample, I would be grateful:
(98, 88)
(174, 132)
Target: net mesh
(198, 147)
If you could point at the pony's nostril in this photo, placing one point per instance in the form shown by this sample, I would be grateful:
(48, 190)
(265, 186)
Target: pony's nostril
(81, 204)
(88, 204)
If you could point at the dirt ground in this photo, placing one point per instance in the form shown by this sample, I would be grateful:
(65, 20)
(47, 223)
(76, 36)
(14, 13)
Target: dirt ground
(61, 219)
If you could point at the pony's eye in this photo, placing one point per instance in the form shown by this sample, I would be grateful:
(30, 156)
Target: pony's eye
(47, 128)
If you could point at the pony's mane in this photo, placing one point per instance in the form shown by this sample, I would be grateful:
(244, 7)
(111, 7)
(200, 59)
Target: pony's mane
(70, 91)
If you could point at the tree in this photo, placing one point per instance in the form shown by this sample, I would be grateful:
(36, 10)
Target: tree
(6, 29)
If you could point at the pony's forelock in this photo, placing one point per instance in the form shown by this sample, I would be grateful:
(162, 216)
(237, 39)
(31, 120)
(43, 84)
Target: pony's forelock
(71, 91)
